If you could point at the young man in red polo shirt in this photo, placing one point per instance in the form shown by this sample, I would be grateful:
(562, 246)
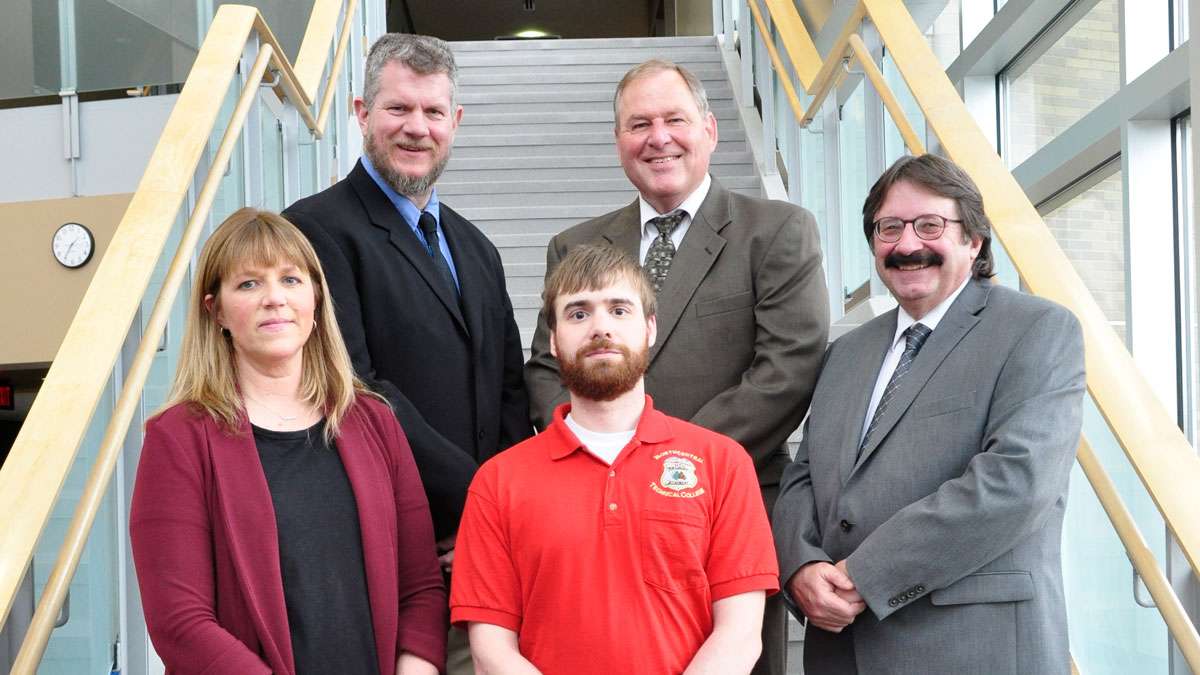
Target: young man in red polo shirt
(619, 540)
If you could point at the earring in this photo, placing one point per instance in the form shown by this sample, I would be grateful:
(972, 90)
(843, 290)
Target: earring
(225, 332)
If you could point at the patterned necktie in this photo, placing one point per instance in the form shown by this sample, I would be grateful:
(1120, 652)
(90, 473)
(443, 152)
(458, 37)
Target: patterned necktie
(428, 225)
(662, 249)
(914, 337)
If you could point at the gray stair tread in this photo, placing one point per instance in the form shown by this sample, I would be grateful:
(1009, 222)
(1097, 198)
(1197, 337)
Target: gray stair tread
(599, 43)
(520, 169)
(579, 93)
(563, 186)
(603, 115)
(476, 77)
(483, 138)
(606, 158)
(626, 57)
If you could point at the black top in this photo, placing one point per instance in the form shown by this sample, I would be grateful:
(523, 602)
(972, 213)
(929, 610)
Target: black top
(320, 553)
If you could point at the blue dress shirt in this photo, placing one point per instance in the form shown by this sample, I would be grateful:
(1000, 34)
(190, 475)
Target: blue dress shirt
(411, 215)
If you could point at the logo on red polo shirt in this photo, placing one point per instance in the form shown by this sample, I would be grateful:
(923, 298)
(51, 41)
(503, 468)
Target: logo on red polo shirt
(678, 477)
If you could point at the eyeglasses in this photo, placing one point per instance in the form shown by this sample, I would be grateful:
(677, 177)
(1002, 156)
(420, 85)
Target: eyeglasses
(928, 226)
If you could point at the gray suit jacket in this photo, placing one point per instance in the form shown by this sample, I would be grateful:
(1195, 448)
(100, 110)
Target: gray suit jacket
(742, 321)
(950, 519)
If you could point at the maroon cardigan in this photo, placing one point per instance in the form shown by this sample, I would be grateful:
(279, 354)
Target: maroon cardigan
(206, 550)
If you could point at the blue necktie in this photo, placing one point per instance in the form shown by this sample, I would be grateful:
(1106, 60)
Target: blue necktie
(428, 225)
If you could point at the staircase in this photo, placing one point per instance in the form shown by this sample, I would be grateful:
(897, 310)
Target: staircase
(535, 153)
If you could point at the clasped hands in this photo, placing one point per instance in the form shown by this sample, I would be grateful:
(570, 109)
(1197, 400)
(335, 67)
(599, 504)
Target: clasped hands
(826, 595)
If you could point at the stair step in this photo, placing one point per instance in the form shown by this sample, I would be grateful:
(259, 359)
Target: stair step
(476, 138)
(470, 148)
(493, 46)
(605, 158)
(562, 186)
(579, 57)
(571, 120)
(723, 108)
(577, 94)
(528, 169)
(558, 76)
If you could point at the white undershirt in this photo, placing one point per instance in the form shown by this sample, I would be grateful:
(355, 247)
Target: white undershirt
(604, 445)
(690, 207)
(892, 359)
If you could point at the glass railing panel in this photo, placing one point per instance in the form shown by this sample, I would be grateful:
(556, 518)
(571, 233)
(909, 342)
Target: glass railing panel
(129, 43)
(894, 147)
(288, 20)
(32, 67)
(1110, 633)
(812, 176)
(854, 182)
(85, 643)
(1052, 86)
(272, 159)
(1090, 228)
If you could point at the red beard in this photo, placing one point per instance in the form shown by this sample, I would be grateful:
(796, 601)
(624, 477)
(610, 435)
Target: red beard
(603, 380)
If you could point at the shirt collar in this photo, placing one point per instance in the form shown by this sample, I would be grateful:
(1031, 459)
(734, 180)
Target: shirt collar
(691, 205)
(932, 319)
(653, 427)
(408, 210)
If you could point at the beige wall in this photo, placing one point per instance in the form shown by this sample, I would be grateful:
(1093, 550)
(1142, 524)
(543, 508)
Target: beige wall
(693, 17)
(38, 296)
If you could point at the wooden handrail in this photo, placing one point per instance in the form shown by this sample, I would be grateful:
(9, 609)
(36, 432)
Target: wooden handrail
(55, 590)
(885, 94)
(1165, 599)
(1155, 447)
(44, 450)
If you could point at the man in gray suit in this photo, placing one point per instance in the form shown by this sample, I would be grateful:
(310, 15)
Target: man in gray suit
(931, 482)
(742, 312)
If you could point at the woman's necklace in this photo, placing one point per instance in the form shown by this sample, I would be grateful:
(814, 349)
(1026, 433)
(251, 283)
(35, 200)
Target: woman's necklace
(282, 418)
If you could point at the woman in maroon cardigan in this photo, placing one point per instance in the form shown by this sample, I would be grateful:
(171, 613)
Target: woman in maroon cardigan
(278, 522)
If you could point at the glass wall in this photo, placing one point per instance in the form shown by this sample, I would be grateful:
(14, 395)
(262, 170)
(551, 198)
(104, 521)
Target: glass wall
(99, 45)
(1090, 228)
(854, 182)
(1053, 84)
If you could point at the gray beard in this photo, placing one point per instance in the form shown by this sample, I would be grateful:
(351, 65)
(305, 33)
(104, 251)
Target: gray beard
(409, 186)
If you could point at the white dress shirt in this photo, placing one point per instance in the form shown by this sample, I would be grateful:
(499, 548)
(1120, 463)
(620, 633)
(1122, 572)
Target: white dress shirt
(689, 206)
(892, 359)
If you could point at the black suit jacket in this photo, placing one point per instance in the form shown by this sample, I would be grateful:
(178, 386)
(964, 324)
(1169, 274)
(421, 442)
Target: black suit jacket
(451, 370)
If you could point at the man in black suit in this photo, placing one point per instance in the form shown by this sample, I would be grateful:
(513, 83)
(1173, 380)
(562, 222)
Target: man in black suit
(419, 291)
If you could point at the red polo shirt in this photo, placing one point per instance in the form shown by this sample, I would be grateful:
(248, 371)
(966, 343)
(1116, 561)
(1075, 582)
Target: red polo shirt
(605, 569)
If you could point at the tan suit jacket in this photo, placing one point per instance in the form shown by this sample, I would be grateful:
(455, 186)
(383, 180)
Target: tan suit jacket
(742, 322)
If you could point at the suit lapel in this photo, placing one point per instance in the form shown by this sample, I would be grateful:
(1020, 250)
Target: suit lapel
(369, 480)
(249, 518)
(467, 266)
(383, 214)
(959, 320)
(625, 231)
(697, 252)
(864, 371)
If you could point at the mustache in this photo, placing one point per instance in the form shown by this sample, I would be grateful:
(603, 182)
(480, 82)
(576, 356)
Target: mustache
(597, 344)
(923, 257)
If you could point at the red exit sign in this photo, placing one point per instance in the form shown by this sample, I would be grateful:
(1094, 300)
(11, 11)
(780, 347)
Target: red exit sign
(6, 397)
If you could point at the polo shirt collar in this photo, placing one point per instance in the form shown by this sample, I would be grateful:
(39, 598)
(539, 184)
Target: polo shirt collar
(652, 427)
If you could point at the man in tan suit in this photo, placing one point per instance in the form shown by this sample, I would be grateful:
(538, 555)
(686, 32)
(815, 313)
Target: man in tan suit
(743, 317)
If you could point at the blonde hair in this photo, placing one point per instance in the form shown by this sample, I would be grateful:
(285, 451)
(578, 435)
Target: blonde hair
(206, 377)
